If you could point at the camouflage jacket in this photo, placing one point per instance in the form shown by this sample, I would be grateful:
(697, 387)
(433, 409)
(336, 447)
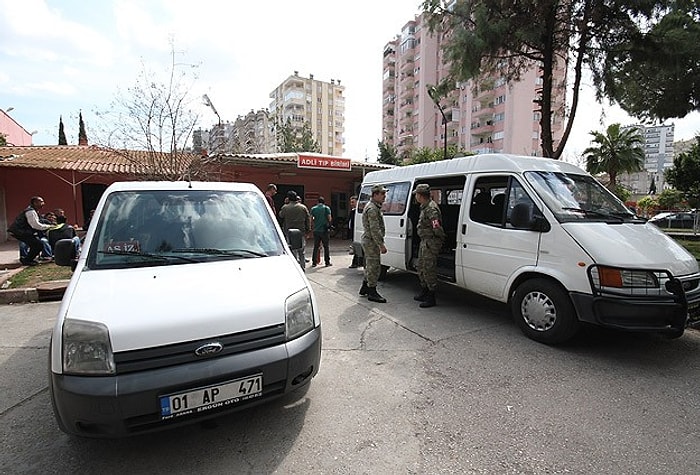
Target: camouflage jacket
(373, 224)
(430, 222)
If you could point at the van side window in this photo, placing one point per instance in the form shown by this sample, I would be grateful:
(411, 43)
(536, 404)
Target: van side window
(487, 200)
(396, 198)
(493, 200)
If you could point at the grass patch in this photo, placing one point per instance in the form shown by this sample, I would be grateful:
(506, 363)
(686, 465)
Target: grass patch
(30, 277)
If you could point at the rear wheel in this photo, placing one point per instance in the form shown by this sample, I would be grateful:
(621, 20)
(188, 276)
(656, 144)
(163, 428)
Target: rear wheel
(544, 312)
(382, 272)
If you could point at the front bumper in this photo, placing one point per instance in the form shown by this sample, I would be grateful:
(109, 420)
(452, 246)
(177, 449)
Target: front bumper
(670, 315)
(127, 404)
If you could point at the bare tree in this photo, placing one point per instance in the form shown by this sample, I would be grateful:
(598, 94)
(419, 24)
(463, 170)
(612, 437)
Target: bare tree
(150, 124)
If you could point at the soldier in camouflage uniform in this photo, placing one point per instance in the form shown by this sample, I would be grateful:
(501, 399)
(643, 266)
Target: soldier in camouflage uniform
(373, 243)
(432, 236)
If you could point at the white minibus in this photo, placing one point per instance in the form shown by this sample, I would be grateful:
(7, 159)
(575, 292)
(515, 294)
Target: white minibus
(545, 237)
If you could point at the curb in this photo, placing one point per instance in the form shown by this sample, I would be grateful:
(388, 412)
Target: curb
(46, 292)
(10, 296)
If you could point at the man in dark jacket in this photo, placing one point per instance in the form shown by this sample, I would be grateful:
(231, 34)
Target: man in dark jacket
(25, 228)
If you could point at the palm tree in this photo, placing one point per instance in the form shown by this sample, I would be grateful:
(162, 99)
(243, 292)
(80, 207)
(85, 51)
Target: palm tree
(617, 151)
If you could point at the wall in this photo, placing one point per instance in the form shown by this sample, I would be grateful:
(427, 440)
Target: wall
(18, 185)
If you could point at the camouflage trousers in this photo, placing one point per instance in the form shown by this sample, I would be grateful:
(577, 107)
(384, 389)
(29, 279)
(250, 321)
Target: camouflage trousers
(427, 263)
(373, 264)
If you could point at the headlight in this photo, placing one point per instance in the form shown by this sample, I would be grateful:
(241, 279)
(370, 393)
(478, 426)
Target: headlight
(299, 315)
(86, 348)
(613, 277)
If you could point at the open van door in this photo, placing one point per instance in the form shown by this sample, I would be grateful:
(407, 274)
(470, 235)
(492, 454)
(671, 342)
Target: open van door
(492, 248)
(395, 210)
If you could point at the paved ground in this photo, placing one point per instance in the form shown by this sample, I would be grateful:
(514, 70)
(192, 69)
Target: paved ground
(9, 255)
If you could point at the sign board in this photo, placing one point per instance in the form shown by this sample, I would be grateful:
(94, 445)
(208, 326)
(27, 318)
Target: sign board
(320, 162)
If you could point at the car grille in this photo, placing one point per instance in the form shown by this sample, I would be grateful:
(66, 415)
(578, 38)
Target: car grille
(181, 353)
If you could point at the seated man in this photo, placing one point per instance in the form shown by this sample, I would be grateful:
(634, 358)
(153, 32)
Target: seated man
(25, 228)
(61, 231)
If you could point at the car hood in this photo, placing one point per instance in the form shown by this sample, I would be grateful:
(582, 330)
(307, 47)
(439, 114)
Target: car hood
(154, 306)
(632, 245)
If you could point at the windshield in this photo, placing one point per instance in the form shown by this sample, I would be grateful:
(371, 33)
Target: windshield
(155, 228)
(574, 197)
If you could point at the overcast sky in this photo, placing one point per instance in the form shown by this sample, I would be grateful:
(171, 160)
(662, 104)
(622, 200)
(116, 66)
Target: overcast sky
(58, 57)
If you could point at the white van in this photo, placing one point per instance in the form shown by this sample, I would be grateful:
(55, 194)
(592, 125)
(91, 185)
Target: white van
(185, 303)
(545, 237)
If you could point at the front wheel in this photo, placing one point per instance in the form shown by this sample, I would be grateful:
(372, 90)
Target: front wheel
(544, 312)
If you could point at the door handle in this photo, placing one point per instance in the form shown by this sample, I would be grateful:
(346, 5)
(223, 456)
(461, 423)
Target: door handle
(401, 223)
(464, 228)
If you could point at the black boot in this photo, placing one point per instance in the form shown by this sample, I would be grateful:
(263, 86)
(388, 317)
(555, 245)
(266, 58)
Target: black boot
(422, 295)
(364, 289)
(374, 296)
(429, 300)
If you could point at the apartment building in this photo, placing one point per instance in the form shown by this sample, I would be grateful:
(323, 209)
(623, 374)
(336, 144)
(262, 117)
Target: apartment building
(658, 157)
(254, 133)
(249, 134)
(485, 115)
(320, 104)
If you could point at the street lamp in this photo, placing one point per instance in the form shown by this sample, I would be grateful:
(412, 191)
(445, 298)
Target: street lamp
(435, 96)
(207, 102)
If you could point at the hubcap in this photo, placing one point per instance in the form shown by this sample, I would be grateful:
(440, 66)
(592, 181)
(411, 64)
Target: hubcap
(538, 311)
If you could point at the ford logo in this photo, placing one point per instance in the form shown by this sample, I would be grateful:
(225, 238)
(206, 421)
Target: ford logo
(209, 349)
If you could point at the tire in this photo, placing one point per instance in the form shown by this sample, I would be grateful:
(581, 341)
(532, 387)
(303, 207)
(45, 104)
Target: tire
(382, 272)
(544, 311)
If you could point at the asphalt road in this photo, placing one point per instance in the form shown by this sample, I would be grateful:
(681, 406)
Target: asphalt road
(452, 389)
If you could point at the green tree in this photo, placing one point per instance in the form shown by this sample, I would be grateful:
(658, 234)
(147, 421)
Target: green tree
(654, 74)
(61, 132)
(387, 154)
(3, 140)
(617, 151)
(670, 199)
(647, 205)
(685, 174)
(295, 139)
(503, 39)
(82, 135)
(425, 155)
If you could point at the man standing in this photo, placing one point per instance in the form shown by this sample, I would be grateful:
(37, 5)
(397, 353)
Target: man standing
(25, 228)
(295, 215)
(322, 223)
(432, 235)
(269, 193)
(373, 243)
(356, 260)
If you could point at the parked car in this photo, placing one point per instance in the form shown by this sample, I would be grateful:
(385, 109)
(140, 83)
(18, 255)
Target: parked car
(186, 302)
(680, 220)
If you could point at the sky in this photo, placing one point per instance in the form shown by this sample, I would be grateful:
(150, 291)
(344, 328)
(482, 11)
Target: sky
(62, 57)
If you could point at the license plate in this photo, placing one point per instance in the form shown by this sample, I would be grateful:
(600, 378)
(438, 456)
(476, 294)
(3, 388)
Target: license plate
(210, 397)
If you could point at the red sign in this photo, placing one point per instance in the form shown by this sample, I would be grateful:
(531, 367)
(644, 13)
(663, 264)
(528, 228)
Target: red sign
(321, 162)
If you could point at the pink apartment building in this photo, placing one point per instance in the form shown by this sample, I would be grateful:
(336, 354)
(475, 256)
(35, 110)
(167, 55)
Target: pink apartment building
(14, 133)
(485, 115)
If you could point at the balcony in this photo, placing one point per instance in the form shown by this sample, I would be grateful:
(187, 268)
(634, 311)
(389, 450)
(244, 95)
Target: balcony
(482, 128)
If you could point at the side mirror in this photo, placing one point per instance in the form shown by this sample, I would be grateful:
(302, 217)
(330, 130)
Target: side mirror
(526, 216)
(64, 253)
(295, 239)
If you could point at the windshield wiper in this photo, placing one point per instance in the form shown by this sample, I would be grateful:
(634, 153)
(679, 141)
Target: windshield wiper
(158, 257)
(222, 252)
(598, 214)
